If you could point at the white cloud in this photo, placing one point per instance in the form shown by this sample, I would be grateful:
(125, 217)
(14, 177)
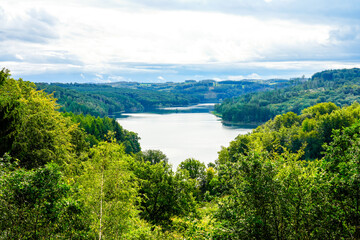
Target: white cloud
(98, 36)
(116, 78)
(161, 78)
(99, 76)
(27, 25)
(241, 77)
(345, 34)
(18, 56)
(179, 37)
(27, 68)
(122, 38)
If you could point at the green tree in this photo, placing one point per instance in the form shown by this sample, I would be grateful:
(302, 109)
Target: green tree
(33, 131)
(195, 168)
(163, 193)
(37, 204)
(342, 167)
(152, 156)
(97, 129)
(108, 191)
(272, 198)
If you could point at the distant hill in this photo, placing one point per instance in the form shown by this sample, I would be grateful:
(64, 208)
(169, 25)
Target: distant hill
(112, 99)
(208, 90)
(341, 87)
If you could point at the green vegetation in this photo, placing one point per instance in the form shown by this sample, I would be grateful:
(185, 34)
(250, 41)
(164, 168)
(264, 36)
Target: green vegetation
(310, 130)
(207, 90)
(68, 176)
(295, 177)
(338, 86)
(163, 193)
(97, 128)
(112, 99)
(104, 100)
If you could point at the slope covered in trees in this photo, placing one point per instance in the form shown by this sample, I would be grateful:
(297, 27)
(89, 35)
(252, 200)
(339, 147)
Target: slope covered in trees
(338, 86)
(97, 129)
(207, 90)
(295, 177)
(112, 99)
(104, 100)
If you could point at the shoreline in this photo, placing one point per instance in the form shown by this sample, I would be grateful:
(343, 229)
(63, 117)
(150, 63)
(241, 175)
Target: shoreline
(252, 125)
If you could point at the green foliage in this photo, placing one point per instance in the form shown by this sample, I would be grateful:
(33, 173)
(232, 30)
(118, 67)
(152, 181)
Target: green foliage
(320, 109)
(338, 86)
(273, 197)
(108, 192)
(311, 129)
(204, 179)
(195, 168)
(199, 226)
(206, 90)
(31, 128)
(270, 192)
(103, 100)
(163, 193)
(342, 171)
(152, 156)
(97, 129)
(35, 204)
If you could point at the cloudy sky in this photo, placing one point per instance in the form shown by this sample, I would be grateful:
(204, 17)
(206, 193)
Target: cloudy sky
(175, 40)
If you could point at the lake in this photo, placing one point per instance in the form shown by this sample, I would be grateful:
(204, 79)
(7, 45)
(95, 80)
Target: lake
(181, 133)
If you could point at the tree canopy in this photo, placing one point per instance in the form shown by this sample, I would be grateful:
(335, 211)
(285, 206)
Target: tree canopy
(338, 86)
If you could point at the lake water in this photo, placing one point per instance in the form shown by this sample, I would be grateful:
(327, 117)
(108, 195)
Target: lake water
(192, 132)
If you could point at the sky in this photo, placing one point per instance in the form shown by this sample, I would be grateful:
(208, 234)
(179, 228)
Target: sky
(176, 40)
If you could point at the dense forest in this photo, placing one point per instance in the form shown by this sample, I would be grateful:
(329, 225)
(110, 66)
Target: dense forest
(208, 90)
(70, 176)
(112, 99)
(103, 100)
(338, 86)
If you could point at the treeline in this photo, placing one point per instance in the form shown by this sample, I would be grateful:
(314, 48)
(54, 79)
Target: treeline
(112, 99)
(338, 86)
(97, 129)
(103, 100)
(208, 90)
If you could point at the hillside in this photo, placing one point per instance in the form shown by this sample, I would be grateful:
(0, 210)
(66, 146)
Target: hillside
(338, 86)
(104, 100)
(112, 99)
(208, 90)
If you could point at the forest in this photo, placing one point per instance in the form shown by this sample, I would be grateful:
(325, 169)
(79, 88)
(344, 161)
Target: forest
(66, 175)
(338, 86)
(114, 98)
